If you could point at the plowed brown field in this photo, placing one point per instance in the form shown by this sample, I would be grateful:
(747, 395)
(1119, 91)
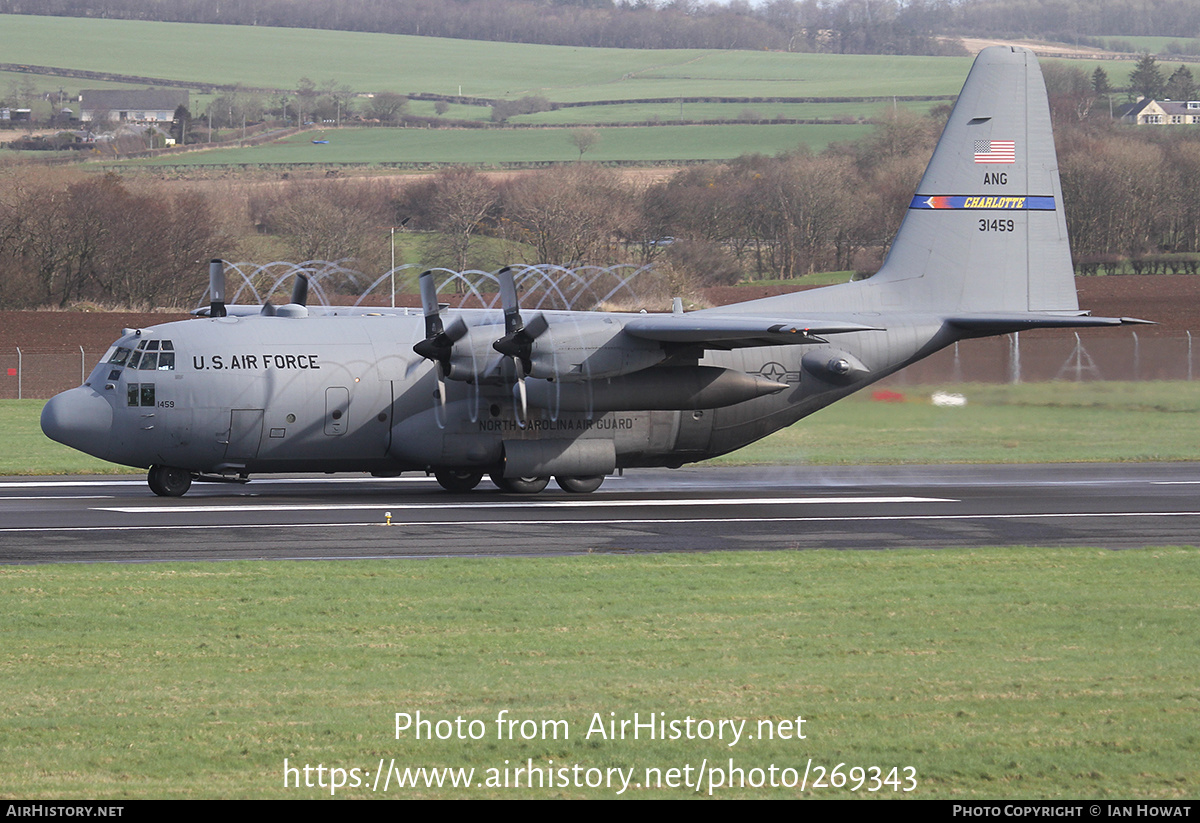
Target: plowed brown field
(1173, 301)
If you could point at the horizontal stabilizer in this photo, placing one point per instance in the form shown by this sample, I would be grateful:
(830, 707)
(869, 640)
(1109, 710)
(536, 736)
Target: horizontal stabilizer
(1020, 321)
(737, 331)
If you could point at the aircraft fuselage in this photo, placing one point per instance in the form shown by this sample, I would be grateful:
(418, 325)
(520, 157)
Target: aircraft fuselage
(250, 395)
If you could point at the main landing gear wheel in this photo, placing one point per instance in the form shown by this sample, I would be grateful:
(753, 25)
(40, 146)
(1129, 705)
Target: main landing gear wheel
(579, 485)
(453, 480)
(520, 485)
(169, 481)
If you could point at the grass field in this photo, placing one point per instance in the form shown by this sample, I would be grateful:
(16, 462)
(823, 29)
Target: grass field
(670, 112)
(489, 146)
(1157, 45)
(1002, 673)
(1028, 423)
(277, 58)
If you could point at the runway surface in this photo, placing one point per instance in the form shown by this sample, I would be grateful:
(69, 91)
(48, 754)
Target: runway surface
(94, 519)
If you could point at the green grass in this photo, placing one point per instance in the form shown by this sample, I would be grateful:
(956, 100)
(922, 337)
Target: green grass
(995, 673)
(669, 112)
(1157, 45)
(820, 278)
(277, 58)
(1029, 423)
(27, 451)
(488, 146)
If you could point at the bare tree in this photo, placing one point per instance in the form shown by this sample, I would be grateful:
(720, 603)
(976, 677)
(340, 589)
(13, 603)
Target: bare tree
(387, 106)
(568, 215)
(334, 220)
(583, 139)
(459, 200)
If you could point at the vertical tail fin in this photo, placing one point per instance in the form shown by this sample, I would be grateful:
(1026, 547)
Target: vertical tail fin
(986, 230)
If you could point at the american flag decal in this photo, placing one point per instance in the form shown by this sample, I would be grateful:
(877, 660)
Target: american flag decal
(995, 151)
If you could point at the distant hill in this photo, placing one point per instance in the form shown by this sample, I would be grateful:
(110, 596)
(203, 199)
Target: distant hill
(839, 26)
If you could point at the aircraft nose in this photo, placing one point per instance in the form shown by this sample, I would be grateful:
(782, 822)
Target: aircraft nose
(80, 418)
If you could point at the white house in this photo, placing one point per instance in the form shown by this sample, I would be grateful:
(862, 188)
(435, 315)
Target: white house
(1147, 112)
(139, 106)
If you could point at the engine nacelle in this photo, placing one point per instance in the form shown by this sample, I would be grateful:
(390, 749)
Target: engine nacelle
(572, 349)
(670, 388)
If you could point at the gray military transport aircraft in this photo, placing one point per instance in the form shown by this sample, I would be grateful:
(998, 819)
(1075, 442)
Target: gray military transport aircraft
(526, 396)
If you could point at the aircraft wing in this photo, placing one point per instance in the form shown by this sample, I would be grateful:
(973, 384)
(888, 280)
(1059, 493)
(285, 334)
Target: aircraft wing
(736, 331)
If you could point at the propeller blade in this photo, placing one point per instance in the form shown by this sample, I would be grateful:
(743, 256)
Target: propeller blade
(517, 342)
(509, 300)
(518, 338)
(441, 384)
(536, 326)
(429, 304)
(438, 345)
(300, 290)
(520, 396)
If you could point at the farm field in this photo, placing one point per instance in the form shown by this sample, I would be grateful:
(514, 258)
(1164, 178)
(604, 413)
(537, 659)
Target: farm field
(1158, 45)
(671, 111)
(489, 146)
(277, 58)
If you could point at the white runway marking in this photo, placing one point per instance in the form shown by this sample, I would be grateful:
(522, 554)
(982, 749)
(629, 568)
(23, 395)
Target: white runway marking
(60, 497)
(513, 504)
(66, 484)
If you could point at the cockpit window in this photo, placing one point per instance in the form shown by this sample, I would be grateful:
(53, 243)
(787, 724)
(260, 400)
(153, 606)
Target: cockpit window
(139, 394)
(120, 357)
(151, 355)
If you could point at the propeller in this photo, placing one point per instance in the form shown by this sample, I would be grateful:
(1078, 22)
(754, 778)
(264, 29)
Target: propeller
(439, 341)
(300, 291)
(517, 342)
(299, 298)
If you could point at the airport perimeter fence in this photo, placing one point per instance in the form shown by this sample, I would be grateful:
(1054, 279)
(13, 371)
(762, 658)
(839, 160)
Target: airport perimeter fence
(39, 373)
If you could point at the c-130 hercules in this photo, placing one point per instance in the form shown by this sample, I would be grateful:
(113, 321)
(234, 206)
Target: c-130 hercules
(576, 395)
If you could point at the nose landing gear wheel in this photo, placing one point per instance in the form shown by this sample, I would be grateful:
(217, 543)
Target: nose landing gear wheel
(520, 485)
(169, 481)
(579, 485)
(458, 481)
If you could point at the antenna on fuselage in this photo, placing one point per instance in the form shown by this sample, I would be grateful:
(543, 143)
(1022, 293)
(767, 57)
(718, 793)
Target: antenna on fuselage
(216, 288)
